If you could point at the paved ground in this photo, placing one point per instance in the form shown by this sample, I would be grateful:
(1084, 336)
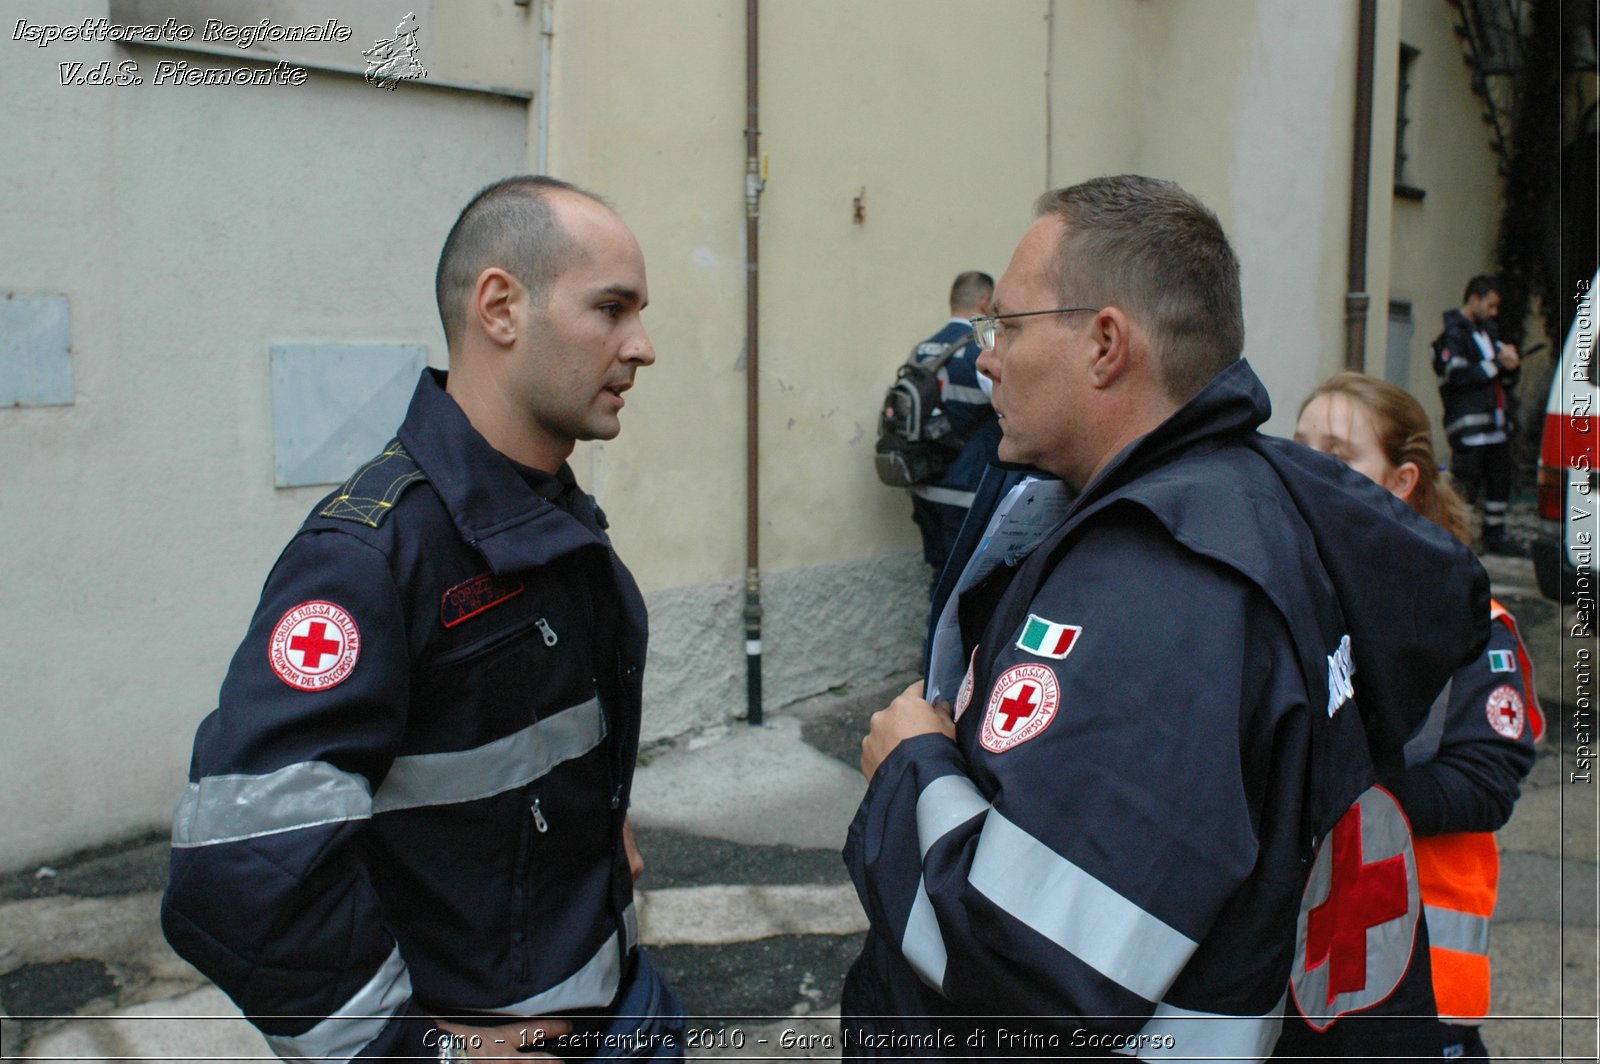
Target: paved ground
(747, 906)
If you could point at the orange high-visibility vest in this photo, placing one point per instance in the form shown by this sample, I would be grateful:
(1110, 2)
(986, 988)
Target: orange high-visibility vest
(1460, 879)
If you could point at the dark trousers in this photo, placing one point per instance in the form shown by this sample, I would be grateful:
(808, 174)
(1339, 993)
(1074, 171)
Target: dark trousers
(939, 524)
(1483, 474)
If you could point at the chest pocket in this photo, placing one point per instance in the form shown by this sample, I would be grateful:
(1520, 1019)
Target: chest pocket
(522, 660)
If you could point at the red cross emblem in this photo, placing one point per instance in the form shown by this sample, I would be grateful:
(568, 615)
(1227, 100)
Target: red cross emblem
(314, 646)
(1358, 920)
(1506, 712)
(1022, 704)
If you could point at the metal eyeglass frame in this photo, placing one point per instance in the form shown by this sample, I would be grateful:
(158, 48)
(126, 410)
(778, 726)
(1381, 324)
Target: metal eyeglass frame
(986, 326)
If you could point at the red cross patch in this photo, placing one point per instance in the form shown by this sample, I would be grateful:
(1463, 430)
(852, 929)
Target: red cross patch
(1506, 711)
(1358, 918)
(314, 647)
(1023, 703)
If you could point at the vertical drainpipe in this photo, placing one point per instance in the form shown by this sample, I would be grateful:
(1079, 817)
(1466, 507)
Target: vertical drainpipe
(752, 321)
(547, 38)
(1357, 299)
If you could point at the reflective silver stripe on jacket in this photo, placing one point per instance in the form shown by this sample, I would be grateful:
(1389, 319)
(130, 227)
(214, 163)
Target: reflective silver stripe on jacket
(960, 393)
(357, 1022)
(948, 496)
(506, 763)
(1462, 932)
(1467, 421)
(221, 809)
(945, 804)
(1206, 1036)
(1073, 909)
(592, 985)
(923, 943)
(231, 808)
(1424, 745)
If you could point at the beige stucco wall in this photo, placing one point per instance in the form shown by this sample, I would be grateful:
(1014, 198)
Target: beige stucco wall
(190, 227)
(1437, 244)
(880, 97)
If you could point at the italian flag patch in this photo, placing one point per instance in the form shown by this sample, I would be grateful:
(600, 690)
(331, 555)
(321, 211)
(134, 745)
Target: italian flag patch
(1502, 661)
(1048, 639)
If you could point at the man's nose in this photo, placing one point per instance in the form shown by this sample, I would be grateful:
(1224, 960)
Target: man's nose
(639, 350)
(989, 364)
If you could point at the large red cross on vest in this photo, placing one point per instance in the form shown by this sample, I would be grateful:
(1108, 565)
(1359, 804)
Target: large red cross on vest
(1360, 896)
(314, 644)
(1019, 707)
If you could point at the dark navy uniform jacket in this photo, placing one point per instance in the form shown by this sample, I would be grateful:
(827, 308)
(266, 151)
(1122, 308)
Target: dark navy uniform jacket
(971, 413)
(1171, 701)
(410, 797)
(1472, 386)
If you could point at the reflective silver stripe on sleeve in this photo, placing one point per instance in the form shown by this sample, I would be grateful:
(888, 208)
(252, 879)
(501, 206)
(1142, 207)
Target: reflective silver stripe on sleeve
(1459, 931)
(960, 393)
(507, 762)
(591, 986)
(231, 808)
(630, 927)
(1424, 746)
(948, 496)
(1179, 1034)
(944, 805)
(358, 1021)
(1467, 421)
(923, 944)
(1076, 911)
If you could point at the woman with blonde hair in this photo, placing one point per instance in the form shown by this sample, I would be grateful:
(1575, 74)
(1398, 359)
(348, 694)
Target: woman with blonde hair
(1465, 764)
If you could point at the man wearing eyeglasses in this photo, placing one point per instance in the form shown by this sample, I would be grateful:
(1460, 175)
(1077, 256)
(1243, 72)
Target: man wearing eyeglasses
(1172, 696)
(939, 508)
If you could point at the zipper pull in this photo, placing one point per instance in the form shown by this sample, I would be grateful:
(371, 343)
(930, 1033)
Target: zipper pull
(616, 797)
(546, 631)
(538, 818)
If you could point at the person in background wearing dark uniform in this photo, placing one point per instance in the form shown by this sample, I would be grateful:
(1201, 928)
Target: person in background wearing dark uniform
(411, 801)
(1464, 768)
(1476, 376)
(938, 509)
(1173, 701)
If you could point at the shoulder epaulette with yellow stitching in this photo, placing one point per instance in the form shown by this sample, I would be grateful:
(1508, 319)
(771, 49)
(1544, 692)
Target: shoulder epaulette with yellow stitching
(369, 495)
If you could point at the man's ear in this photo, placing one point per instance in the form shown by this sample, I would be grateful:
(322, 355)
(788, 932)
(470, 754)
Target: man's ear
(494, 305)
(1112, 335)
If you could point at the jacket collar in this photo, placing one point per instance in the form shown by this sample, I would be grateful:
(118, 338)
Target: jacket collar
(1231, 406)
(496, 511)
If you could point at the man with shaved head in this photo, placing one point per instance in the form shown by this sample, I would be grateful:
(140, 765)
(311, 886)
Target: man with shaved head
(939, 507)
(406, 829)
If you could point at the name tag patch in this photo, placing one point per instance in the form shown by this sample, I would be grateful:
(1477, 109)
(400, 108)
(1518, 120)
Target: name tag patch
(471, 597)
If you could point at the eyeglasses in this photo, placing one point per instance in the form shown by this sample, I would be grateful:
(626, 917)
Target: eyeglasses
(985, 326)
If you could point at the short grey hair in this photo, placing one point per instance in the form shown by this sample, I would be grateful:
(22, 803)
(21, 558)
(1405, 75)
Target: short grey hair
(1156, 251)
